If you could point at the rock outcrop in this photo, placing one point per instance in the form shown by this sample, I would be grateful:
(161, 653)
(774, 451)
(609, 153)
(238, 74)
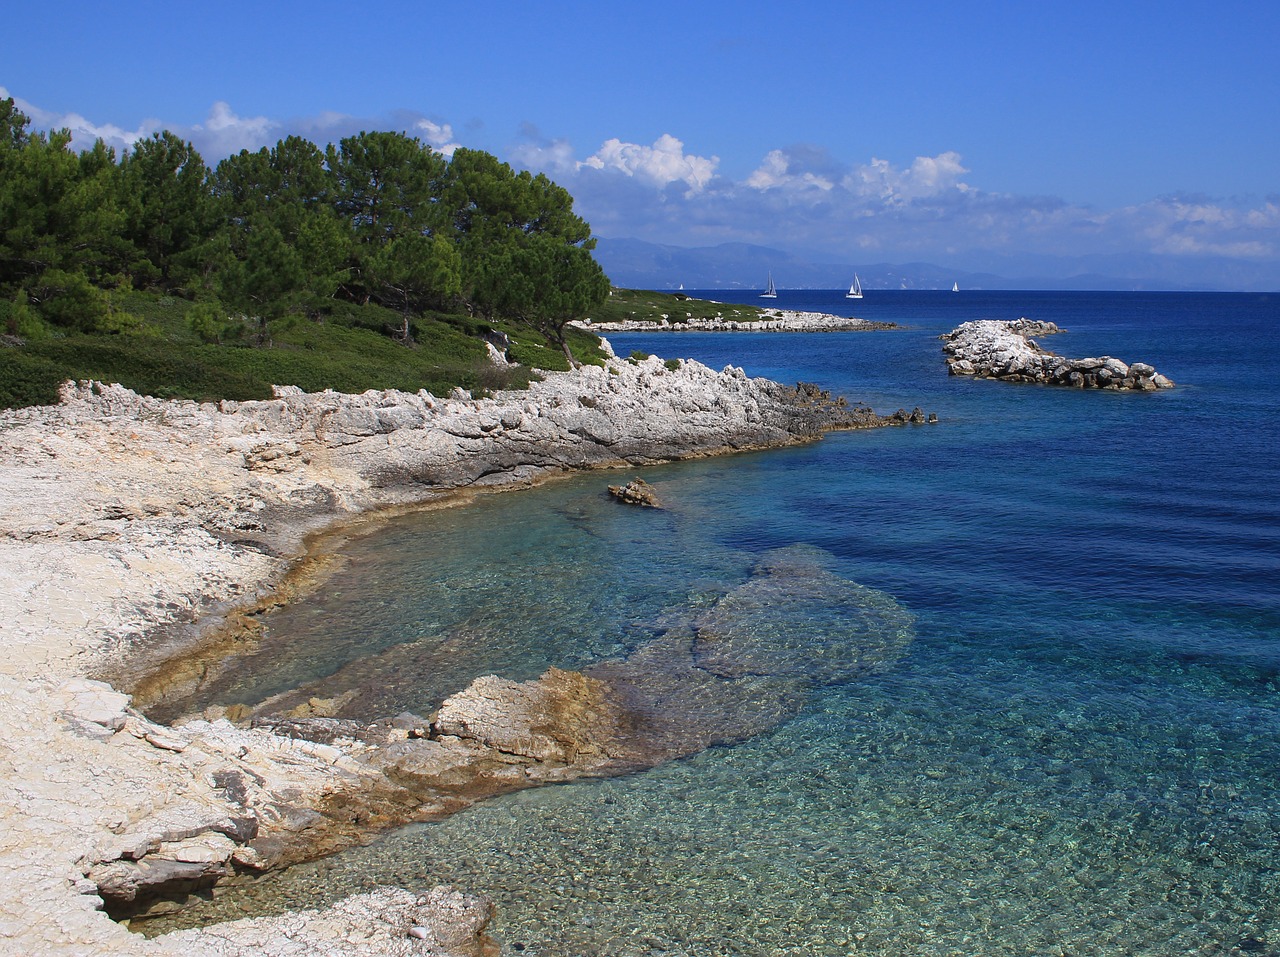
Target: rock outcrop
(636, 492)
(993, 349)
(125, 521)
(772, 320)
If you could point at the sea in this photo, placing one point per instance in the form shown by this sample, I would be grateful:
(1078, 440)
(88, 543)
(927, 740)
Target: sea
(1075, 750)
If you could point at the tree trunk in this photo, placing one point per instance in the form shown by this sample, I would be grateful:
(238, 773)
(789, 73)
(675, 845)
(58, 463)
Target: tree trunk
(564, 347)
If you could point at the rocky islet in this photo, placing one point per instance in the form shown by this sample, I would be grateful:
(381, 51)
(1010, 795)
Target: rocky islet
(1006, 349)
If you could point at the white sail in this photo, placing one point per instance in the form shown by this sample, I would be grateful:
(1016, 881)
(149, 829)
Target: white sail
(955, 287)
(770, 292)
(855, 291)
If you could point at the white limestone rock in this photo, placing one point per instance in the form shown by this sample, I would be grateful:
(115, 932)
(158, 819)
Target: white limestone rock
(992, 349)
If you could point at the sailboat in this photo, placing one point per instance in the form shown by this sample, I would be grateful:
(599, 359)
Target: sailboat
(955, 287)
(770, 292)
(855, 291)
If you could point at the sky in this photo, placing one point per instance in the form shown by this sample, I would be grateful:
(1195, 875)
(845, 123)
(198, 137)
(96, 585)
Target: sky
(982, 135)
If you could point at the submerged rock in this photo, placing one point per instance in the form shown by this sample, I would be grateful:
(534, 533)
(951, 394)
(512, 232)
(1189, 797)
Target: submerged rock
(720, 676)
(795, 617)
(389, 922)
(636, 492)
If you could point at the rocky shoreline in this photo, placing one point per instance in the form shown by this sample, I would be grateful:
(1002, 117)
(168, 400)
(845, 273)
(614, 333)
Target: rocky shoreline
(996, 349)
(773, 320)
(128, 522)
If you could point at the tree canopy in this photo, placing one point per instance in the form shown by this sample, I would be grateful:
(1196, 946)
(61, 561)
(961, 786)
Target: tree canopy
(378, 218)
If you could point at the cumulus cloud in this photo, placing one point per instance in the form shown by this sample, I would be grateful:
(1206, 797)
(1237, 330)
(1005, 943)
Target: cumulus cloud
(438, 136)
(83, 131)
(225, 132)
(799, 196)
(663, 163)
(781, 169)
(927, 176)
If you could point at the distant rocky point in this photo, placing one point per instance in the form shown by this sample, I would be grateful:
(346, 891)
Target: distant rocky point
(997, 349)
(772, 320)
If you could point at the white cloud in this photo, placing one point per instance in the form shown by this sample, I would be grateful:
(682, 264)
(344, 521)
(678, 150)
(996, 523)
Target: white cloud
(663, 163)
(779, 170)
(555, 158)
(83, 132)
(438, 136)
(797, 197)
(928, 176)
(1199, 227)
(224, 132)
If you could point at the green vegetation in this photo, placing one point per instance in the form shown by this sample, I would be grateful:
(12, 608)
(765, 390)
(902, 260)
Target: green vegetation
(639, 305)
(373, 263)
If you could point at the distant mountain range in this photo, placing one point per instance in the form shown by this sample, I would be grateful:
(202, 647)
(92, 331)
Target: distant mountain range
(636, 264)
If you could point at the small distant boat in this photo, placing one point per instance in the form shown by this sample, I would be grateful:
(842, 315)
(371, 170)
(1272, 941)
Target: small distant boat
(770, 292)
(855, 291)
(955, 287)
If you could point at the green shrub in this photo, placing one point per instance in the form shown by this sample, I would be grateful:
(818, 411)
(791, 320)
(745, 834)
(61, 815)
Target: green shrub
(17, 318)
(173, 347)
(28, 380)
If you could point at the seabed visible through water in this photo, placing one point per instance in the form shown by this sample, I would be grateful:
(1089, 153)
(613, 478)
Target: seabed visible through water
(1075, 753)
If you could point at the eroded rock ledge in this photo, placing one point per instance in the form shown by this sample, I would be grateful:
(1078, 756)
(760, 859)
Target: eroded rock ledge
(995, 349)
(722, 675)
(123, 518)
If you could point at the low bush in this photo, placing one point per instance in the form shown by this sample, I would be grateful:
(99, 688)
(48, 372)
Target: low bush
(175, 348)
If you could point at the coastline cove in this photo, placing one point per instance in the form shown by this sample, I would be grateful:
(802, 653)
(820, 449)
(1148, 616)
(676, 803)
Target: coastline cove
(144, 516)
(1070, 754)
(1061, 741)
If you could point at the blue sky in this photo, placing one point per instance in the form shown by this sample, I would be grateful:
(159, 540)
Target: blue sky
(979, 135)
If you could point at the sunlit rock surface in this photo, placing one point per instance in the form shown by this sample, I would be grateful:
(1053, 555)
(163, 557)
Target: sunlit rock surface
(124, 519)
(992, 349)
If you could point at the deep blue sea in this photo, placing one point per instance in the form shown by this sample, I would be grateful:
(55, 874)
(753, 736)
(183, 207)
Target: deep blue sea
(1077, 752)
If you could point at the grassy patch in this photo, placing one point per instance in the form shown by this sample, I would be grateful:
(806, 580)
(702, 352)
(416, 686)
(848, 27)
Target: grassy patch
(347, 349)
(641, 305)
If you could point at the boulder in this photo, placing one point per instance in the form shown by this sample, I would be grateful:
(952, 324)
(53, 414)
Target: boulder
(636, 492)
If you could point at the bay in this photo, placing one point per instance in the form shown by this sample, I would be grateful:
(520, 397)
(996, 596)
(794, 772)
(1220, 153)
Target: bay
(1076, 753)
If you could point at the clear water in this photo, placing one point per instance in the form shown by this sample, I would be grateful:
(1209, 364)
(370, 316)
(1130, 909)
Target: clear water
(1077, 753)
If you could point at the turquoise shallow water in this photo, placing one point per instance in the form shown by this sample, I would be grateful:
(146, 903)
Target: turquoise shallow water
(1076, 753)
